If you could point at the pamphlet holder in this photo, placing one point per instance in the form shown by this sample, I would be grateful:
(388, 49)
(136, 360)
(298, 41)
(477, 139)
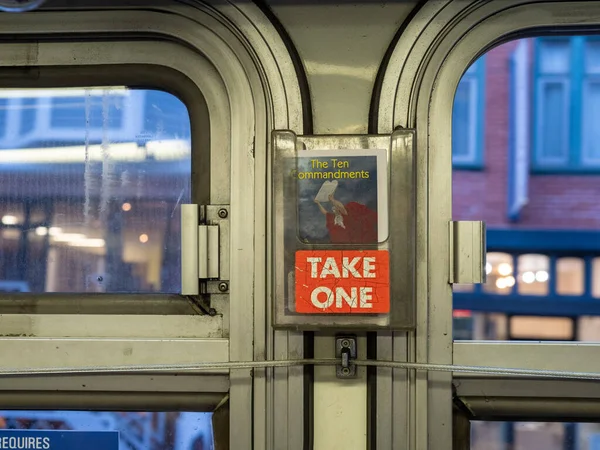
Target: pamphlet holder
(343, 250)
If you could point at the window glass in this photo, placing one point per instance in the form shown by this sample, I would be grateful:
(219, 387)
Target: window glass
(538, 191)
(533, 274)
(531, 436)
(552, 132)
(570, 273)
(466, 124)
(463, 288)
(463, 139)
(553, 328)
(592, 56)
(90, 186)
(137, 430)
(596, 277)
(500, 275)
(554, 56)
(588, 328)
(591, 103)
(469, 325)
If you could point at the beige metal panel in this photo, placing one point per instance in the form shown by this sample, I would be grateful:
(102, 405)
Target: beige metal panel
(110, 401)
(342, 46)
(35, 353)
(340, 405)
(474, 386)
(118, 326)
(157, 382)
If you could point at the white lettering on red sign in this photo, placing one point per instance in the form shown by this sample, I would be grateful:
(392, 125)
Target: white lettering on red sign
(342, 282)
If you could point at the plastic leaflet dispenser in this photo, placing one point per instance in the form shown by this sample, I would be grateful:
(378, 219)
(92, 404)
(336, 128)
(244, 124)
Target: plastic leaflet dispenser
(338, 237)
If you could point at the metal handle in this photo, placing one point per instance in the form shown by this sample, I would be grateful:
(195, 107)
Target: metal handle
(189, 250)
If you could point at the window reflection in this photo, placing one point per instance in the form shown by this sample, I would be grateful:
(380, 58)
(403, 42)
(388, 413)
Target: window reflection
(500, 276)
(596, 277)
(570, 273)
(462, 288)
(531, 436)
(533, 274)
(137, 430)
(555, 328)
(90, 190)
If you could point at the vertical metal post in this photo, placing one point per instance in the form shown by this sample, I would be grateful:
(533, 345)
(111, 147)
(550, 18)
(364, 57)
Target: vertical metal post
(461, 430)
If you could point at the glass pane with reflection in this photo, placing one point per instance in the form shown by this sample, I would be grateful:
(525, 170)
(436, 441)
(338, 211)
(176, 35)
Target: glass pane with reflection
(548, 328)
(90, 186)
(533, 274)
(500, 276)
(137, 430)
(570, 274)
(534, 436)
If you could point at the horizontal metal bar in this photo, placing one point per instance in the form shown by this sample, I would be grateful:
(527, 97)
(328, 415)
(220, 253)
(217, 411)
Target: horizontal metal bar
(52, 303)
(156, 382)
(533, 410)
(494, 397)
(527, 304)
(110, 401)
(110, 326)
(559, 356)
(39, 353)
(474, 386)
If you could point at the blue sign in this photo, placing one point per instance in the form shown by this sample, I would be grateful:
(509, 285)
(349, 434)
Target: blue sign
(58, 440)
(594, 441)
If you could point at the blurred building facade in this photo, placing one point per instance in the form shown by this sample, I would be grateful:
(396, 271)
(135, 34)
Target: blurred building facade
(526, 159)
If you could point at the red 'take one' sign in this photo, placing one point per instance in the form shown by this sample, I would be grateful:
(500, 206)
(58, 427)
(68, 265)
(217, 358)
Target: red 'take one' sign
(342, 282)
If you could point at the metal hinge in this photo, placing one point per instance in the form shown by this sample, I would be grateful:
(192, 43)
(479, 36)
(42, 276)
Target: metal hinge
(204, 249)
(467, 252)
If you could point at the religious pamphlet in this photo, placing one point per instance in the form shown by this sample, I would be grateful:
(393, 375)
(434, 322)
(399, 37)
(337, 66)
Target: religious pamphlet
(341, 202)
(342, 197)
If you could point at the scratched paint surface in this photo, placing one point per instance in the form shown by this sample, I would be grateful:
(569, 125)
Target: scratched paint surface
(342, 282)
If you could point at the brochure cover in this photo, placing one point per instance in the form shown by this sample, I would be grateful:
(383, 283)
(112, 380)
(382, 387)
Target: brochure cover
(342, 197)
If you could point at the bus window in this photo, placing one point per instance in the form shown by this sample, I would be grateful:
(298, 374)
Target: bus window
(90, 186)
(137, 430)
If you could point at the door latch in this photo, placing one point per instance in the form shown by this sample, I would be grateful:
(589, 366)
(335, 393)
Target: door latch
(345, 350)
(204, 249)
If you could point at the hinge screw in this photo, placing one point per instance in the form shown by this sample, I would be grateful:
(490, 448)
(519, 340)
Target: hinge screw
(223, 287)
(222, 213)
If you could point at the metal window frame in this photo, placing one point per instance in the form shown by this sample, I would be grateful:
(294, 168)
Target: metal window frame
(94, 56)
(70, 340)
(416, 91)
